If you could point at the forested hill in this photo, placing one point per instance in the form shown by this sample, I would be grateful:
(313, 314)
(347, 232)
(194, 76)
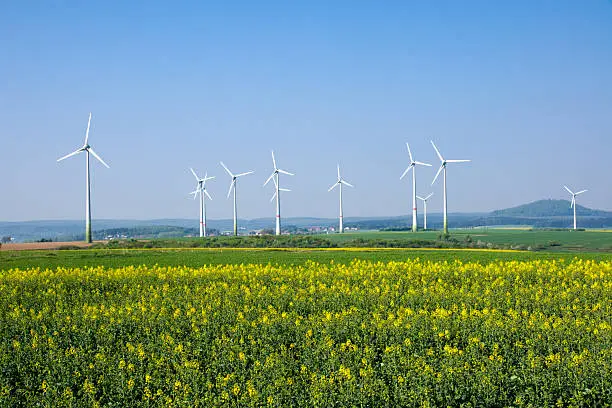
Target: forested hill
(548, 208)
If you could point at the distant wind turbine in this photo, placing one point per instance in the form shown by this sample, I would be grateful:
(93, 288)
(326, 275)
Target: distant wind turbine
(425, 209)
(233, 186)
(412, 166)
(443, 167)
(339, 183)
(201, 189)
(275, 176)
(573, 203)
(87, 149)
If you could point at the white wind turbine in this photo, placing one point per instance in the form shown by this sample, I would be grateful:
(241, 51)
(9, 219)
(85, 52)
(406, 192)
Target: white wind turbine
(275, 176)
(443, 167)
(87, 149)
(412, 166)
(233, 186)
(340, 182)
(573, 204)
(201, 189)
(424, 200)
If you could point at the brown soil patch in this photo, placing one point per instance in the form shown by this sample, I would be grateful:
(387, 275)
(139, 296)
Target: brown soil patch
(41, 245)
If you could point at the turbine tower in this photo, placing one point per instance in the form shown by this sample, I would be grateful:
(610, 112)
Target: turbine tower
(275, 191)
(233, 186)
(425, 209)
(87, 149)
(443, 167)
(412, 166)
(201, 189)
(573, 204)
(275, 176)
(340, 182)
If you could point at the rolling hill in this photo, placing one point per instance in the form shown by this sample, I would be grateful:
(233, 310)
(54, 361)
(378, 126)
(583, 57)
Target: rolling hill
(548, 208)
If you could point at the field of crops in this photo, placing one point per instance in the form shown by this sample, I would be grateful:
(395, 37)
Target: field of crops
(285, 256)
(556, 240)
(362, 333)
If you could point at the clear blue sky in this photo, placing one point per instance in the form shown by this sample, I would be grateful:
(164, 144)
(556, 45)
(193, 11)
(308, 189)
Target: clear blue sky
(523, 88)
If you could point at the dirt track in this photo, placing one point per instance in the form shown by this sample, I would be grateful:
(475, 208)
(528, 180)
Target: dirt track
(41, 245)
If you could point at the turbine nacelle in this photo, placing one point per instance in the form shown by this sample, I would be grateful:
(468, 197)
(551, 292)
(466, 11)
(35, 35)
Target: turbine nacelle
(573, 202)
(413, 163)
(425, 198)
(276, 170)
(234, 177)
(340, 181)
(201, 187)
(443, 162)
(86, 147)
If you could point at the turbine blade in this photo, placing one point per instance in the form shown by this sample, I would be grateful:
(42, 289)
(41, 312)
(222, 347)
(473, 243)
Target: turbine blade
(71, 154)
(244, 174)
(285, 172)
(226, 169)
(406, 171)
(581, 191)
(230, 188)
(427, 198)
(339, 172)
(284, 189)
(98, 157)
(568, 190)
(273, 160)
(437, 174)
(273, 196)
(334, 186)
(346, 183)
(207, 195)
(194, 174)
(206, 178)
(87, 131)
(409, 153)
(422, 164)
(420, 198)
(269, 178)
(457, 161)
(195, 194)
(437, 151)
(573, 203)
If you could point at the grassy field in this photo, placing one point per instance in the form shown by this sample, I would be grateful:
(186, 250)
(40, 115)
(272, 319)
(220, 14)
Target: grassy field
(558, 240)
(205, 256)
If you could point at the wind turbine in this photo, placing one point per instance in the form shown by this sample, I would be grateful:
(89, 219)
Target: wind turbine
(87, 149)
(340, 182)
(412, 166)
(443, 167)
(201, 189)
(233, 186)
(275, 176)
(573, 204)
(425, 209)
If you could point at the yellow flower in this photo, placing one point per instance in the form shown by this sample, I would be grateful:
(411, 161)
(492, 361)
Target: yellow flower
(88, 387)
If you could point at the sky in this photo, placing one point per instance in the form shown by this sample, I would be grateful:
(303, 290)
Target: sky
(523, 88)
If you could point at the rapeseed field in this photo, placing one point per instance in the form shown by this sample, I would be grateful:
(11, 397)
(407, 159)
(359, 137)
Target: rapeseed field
(365, 334)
